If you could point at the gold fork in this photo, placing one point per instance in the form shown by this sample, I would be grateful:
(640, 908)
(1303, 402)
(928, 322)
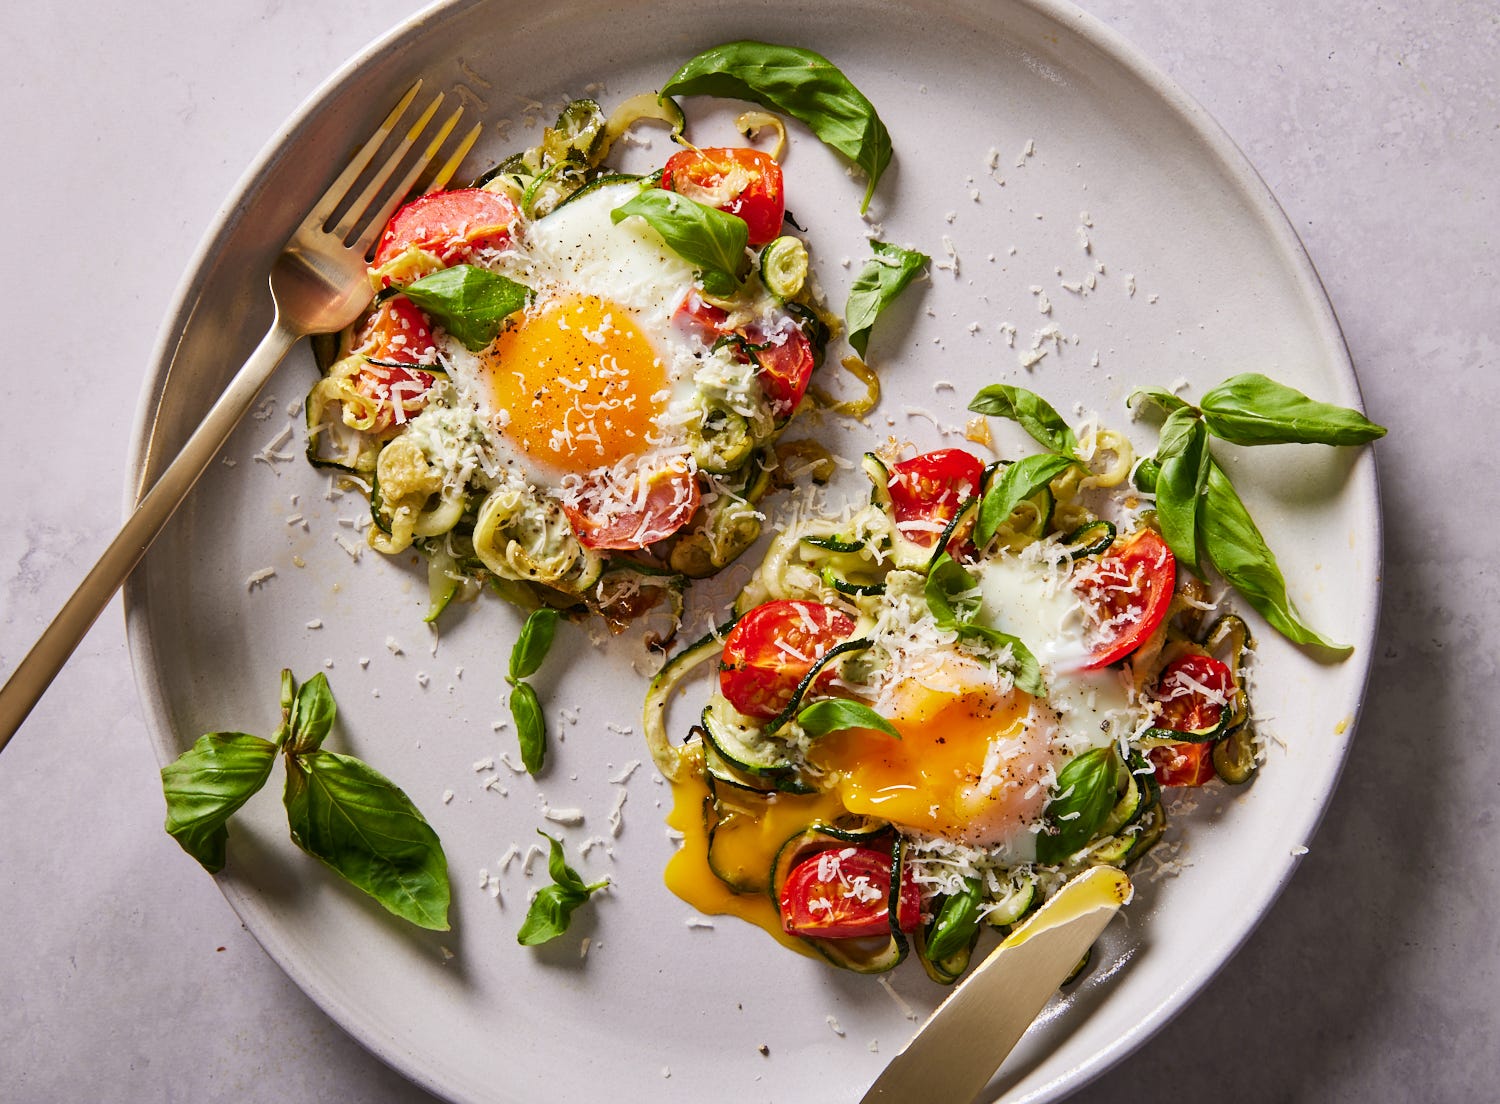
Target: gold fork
(319, 285)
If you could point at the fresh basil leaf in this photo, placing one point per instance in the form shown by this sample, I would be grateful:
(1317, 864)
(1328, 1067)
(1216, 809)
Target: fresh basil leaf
(708, 239)
(288, 693)
(552, 909)
(1147, 472)
(531, 727)
(1086, 792)
(532, 645)
(799, 83)
(359, 823)
(1033, 413)
(1167, 400)
(1015, 485)
(471, 303)
(1232, 542)
(1183, 461)
(836, 714)
(1250, 409)
(953, 598)
(957, 921)
(885, 275)
(313, 711)
(206, 784)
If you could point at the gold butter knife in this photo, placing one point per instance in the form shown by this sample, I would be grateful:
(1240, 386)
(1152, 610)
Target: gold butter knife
(960, 1047)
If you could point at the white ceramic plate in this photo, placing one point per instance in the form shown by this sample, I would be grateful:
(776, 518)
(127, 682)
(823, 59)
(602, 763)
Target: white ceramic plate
(1119, 157)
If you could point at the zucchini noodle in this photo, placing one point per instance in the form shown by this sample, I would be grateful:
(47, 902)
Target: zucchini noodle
(852, 408)
(751, 123)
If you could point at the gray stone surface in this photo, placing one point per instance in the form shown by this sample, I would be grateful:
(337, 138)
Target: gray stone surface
(125, 975)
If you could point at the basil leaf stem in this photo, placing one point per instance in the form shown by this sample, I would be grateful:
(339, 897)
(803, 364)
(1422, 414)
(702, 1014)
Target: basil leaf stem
(1239, 552)
(471, 303)
(1085, 793)
(1031, 412)
(552, 909)
(1016, 483)
(709, 239)
(207, 784)
(800, 83)
(835, 714)
(1250, 409)
(888, 272)
(1183, 459)
(361, 825)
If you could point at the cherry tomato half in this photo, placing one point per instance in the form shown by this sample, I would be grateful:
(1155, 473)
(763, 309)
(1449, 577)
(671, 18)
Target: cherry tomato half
(771, 649)
(700, 318)
(396, 334)
(786, 363)
(743, 182)
(1194, 690)
(1130, 587)
(844, 893)
(615, 517)
(1183, 764)
(927, 490)
(451, 225)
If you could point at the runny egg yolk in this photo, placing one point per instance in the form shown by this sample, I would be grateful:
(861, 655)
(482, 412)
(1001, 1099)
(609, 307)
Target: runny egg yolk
(971, 763)
(580, 383)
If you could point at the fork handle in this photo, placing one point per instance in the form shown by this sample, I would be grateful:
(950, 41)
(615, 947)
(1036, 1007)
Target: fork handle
(35, 673)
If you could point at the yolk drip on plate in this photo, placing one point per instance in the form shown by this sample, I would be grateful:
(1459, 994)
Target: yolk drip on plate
(583, 385)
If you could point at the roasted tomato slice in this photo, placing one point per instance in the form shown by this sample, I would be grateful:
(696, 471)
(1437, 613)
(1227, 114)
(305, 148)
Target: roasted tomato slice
(927, 490)
(1130, 589)
(786, 362)
(696, 316)
(771, 649)
(845, 893)
(743, 182)
(397, 334)
(1194, 690)
(451, 225)
(1183, 764)
(649, 507)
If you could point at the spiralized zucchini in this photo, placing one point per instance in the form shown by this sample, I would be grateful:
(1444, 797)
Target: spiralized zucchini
(852, 408)
(522, 537)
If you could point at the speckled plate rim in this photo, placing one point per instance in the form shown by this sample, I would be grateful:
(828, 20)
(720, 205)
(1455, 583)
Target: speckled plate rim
(143, 463)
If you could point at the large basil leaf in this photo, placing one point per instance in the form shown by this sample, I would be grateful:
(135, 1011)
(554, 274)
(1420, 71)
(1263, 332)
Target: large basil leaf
(885, 275)
(1234, 544)
(312, 714)
(799, 83)
(952, 597)
(471, 303)
(1250, 409)
(532, 645)
(836, 714)
(206, 784)
(1085, 793)
(708, 239)
(552, 909)
(1015, 485)
(360, 824)
(1183, 460)
(1033, 413)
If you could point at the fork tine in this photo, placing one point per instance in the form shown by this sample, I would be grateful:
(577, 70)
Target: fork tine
(378, 219)
(338, 191)
(440, 179)
(354, 216)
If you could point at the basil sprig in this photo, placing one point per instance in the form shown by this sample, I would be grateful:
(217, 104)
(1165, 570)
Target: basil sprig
(710, 240)
(339, 809)
(888, 272)
(1200, 514)
(1027, 476)
(526, 658)
(1086, 790)
(835, 714)
(471, 303)
(953, 598)
(800, 83)
(552, 908)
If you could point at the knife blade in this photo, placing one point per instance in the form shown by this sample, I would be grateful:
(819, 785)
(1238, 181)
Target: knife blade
(964, 1041)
